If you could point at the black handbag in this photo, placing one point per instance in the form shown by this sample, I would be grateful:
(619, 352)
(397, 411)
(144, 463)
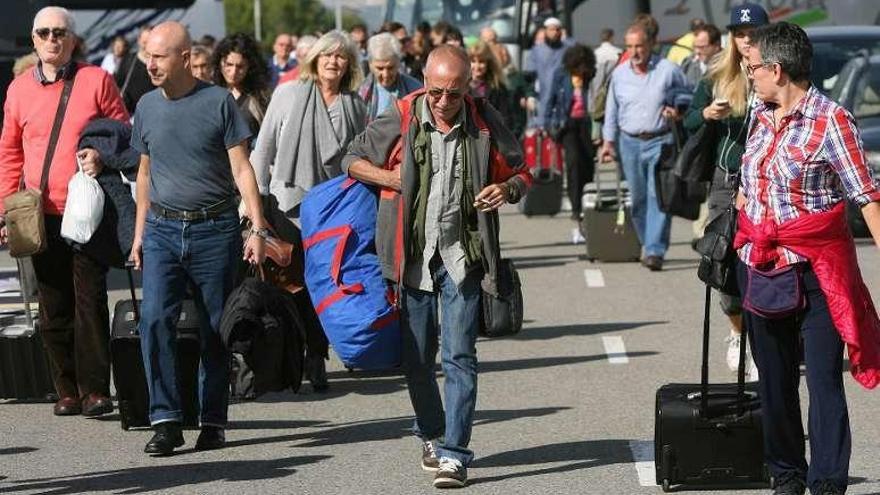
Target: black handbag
(675, 195)
(502, 314)
(717, 257)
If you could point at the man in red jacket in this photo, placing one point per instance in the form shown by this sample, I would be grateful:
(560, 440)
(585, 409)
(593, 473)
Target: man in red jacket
(74, 319)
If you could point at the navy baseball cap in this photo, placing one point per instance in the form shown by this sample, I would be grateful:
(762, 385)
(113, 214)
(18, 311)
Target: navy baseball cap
(747, 14)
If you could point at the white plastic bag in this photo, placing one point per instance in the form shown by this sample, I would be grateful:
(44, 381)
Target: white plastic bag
(84, 209)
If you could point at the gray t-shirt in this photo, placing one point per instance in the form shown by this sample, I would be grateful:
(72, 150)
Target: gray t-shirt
(187, 141)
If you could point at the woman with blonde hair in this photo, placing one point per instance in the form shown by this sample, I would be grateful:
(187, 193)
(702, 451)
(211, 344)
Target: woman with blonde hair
(488, 81)
(723, 99)
(305, 133)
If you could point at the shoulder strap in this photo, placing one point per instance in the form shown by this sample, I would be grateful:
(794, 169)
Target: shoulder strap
(124, 87)
(56, 129)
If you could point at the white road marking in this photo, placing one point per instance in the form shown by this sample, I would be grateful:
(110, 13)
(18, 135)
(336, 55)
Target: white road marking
(594, 277)
(643, 458)
(615, 350)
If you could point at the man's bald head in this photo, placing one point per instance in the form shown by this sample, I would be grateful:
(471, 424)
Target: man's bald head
(172, 35)
(168, 52)
(448, 61)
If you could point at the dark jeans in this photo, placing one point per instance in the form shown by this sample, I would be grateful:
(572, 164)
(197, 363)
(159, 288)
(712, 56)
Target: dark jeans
(775, 345)
(579, 165)
(74, 319)
(203, 255)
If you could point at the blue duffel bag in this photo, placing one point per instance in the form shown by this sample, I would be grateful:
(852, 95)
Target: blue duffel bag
(343, 275)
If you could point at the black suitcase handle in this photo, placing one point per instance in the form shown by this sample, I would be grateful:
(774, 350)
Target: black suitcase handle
(129, 266)
(740, 372)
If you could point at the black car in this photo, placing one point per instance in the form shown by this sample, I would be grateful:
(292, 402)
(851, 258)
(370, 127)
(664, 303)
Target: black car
(846, 66)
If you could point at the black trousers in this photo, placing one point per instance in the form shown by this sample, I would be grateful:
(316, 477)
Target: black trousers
(775, 347)
(74, 319)
(579, 165)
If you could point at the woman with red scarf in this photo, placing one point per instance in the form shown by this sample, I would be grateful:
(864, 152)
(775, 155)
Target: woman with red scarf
(799, 274)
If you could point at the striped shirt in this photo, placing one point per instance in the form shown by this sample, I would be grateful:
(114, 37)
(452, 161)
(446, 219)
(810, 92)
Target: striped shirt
(813, 161)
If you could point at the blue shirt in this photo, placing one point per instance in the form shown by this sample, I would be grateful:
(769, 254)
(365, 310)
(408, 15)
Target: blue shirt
(187, 140)
(275, 70)
(635, 102)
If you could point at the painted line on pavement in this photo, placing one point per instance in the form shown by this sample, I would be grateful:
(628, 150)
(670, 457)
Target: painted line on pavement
(594, 277)
(643, 458)
(615, 350)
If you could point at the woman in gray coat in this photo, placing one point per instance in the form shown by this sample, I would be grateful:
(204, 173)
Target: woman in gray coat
(304, 136)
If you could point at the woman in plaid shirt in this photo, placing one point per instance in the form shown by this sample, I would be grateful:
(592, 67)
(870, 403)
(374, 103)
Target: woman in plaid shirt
(803, 158)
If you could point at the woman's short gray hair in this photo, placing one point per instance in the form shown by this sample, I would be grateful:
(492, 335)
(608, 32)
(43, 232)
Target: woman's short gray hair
(68, 17)
(332, 42)
(384, 47)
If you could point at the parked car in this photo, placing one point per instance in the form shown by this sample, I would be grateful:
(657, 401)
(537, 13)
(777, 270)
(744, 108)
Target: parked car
(846, 66)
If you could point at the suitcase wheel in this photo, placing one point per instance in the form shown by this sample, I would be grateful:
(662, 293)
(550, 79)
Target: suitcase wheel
(666, 487)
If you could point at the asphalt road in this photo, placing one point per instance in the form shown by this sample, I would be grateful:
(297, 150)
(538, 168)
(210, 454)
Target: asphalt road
(562, 407)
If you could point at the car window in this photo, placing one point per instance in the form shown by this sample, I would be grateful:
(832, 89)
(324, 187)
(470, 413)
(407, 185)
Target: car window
(829, 57)
(867, 93)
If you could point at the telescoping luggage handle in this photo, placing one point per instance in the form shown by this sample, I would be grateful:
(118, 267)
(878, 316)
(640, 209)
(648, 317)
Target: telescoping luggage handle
(620, 224)
(703, 394)
(129, 266)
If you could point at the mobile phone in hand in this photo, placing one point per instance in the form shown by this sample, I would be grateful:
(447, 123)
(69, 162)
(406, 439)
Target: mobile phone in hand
(722, 102)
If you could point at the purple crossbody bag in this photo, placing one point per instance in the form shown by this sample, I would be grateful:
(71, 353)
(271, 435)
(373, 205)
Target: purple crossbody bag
(775, 294)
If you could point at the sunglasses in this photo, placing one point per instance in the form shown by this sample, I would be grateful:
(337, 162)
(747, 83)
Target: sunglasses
(452, 94)
(57, 33)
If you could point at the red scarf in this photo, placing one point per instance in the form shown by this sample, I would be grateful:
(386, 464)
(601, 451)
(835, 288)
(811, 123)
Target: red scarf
(825, 240)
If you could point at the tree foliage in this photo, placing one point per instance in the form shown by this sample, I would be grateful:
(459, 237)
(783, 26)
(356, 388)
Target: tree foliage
(283, 16)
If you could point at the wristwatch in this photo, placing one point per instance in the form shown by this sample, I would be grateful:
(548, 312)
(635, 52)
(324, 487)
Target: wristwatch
(261, 233)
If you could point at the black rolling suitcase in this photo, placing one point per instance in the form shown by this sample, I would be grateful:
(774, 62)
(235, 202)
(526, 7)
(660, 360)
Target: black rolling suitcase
(24, 370)
(544, 197)
(709, 435)
(607, 224)
(128, 365)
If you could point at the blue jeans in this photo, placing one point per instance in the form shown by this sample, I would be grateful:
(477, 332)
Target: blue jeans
(775, 349)
(175, 253)
(461, 312)
(639, 158)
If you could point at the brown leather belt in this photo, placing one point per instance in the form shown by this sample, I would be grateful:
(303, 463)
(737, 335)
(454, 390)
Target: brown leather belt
(210, 213)
(644, 136)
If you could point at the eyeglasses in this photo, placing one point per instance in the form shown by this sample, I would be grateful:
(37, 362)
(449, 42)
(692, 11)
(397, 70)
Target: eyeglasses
(751, 68)
(57, 33)
(452, 94)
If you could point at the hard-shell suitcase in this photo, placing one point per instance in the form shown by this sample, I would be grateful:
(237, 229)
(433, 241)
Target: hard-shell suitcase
(709, 435)
(607, 224)
(128, 365)
(24, 370)
(544, 159)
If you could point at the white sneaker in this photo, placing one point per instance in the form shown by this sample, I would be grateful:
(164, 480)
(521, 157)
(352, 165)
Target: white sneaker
(429, 456)
(451, 474)
(732, 341)
(751, 368)
(576, 236)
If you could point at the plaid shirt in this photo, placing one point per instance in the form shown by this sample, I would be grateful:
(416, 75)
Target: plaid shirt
(814, 161)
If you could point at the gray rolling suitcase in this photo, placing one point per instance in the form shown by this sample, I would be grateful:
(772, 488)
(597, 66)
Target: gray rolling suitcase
(607, 224)
(24, 369)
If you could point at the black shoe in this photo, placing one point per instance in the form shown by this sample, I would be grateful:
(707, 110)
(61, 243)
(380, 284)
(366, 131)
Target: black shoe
(829, 488)
(167, 438)
(653, 263)
(316, 371)
(211, 438)
(791, 486)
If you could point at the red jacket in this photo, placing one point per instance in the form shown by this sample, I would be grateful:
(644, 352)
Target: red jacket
(825, 240)
(29, 113)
